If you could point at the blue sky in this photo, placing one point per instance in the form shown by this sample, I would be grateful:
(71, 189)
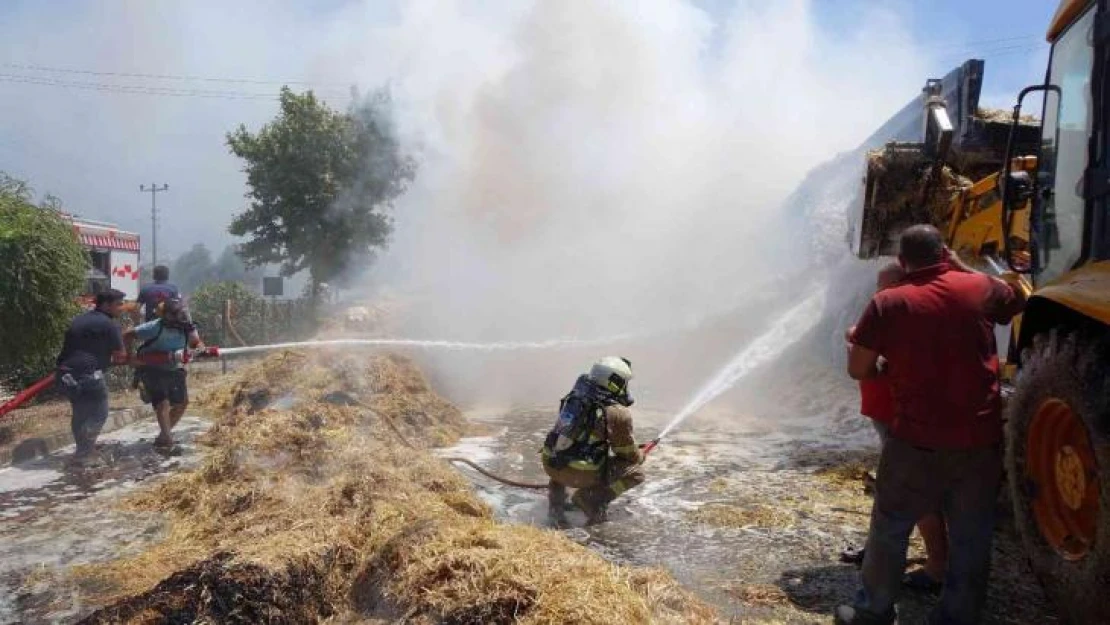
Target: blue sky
(93, 149)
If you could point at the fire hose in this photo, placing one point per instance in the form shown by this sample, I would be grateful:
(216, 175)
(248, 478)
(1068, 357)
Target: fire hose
(183, 356)
(186, 356)
(646, 448)
(26, 394)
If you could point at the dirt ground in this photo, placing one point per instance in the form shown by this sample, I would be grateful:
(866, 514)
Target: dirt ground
(835, 495)
(277, 516)
(50, 414)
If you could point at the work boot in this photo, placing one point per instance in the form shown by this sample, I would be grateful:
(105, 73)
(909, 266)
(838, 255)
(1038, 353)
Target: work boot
(557, 505)
(588, 503)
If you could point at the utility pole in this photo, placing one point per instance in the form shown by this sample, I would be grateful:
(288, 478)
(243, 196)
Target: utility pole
(153, 190)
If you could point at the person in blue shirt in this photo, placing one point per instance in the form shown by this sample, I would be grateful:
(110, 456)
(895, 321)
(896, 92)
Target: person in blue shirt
(161, 374)
(151, 295)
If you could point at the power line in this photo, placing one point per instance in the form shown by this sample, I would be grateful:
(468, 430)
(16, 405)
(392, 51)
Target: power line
(143, 89)
(177, 77)
(975, 43)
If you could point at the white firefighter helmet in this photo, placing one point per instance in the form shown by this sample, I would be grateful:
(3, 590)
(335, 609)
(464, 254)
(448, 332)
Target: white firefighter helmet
(612, 374)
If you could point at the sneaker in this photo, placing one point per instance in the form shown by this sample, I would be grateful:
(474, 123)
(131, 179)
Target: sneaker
(851, 615)
(91, 460)
(166, 447)
(918, 580)
(595, 512)
(852, 555)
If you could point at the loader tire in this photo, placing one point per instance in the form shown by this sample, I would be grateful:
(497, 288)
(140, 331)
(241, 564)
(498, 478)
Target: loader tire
(1058, 463)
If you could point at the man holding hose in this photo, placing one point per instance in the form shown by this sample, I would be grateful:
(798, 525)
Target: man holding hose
(591, 448)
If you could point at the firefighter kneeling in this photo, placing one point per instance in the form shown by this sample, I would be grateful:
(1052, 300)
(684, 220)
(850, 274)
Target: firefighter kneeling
(591, 447)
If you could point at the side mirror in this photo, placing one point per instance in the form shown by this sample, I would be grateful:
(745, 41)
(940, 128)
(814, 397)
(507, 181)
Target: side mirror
(1017, 188)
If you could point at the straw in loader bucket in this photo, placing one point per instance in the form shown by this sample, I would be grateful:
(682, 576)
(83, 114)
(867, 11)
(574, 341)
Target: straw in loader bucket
(917, 177)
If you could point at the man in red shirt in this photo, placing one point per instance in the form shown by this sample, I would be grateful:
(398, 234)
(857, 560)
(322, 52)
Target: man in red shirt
(877, 404)
(936, 332)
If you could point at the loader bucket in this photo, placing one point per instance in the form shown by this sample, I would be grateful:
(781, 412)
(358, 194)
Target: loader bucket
(903, 186)
(899, 192)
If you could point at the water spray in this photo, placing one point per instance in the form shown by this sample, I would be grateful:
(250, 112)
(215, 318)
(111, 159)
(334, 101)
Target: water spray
(787, 331)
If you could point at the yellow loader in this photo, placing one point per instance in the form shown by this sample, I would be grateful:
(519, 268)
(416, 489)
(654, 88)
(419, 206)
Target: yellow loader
(1029, 199)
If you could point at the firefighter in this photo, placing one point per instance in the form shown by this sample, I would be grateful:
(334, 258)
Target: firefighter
(161, 373)
(591, 447)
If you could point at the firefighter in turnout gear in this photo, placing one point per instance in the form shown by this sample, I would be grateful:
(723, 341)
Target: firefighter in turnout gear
(591, 447)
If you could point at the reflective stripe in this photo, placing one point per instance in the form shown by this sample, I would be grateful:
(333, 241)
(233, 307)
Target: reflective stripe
(618, 487)
(625, 450)
(583, 465)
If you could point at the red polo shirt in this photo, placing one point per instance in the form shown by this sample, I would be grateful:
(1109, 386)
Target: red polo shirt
(936, 331)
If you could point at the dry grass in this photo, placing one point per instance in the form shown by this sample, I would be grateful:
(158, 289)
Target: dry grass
(850, 473)
(742, 515)
(903, 175)
(319, 513)
(759, 595)
(1003, 115)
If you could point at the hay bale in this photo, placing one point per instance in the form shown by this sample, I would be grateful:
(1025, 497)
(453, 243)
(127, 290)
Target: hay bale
(317, 512)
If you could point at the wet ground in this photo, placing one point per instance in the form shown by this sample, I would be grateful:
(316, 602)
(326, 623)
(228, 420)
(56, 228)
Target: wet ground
(56, 516)
(750, 515)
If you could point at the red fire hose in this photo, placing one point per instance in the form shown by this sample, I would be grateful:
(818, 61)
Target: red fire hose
(182, 356)
(26, 394)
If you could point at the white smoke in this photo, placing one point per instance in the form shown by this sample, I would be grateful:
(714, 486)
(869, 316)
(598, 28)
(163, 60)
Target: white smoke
(587, 168)
(605, 167)
(593, 166)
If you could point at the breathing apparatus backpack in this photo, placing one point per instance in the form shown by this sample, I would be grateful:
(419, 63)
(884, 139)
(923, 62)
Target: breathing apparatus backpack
(579, 412)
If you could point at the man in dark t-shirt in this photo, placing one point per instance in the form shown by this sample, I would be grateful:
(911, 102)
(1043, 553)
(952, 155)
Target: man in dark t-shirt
(159, 291)
(935, 329)
(92, 344)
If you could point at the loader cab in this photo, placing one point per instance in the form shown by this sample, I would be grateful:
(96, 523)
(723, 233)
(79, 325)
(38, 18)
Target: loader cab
(1071, 225)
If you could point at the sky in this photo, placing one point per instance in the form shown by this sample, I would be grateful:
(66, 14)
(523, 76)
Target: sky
(67, 129)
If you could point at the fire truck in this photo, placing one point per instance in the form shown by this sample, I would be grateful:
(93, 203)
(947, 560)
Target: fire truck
(113, 256)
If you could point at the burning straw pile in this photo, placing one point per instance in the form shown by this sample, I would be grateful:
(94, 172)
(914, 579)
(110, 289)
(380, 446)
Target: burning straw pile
(317, 513)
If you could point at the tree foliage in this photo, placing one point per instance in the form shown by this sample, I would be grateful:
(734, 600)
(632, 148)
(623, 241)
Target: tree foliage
(230, 267)
(42, 269)
(255, 320)
(192, 269)
(196, 268)
(321, 185)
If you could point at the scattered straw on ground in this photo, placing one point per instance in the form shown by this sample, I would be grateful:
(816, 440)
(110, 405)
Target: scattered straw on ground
(740, 516)
(759, 595)
(317, 512)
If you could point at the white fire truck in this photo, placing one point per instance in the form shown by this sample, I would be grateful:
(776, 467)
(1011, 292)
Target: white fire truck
(113, 255)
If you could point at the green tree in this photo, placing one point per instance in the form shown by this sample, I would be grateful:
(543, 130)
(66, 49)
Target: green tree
(321, 185)
(231, 268)
(193, 268)
(254, 319)
(207, 306)
(42, 269)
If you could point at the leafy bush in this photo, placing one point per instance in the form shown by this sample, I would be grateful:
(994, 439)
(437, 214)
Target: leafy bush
(254, 319)
(42, 270)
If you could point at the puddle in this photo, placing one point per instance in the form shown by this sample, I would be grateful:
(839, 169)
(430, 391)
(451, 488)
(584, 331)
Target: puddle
(55, 517)
(779, 566)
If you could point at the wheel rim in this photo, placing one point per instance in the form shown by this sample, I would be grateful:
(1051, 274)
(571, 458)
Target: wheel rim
(1061, 466)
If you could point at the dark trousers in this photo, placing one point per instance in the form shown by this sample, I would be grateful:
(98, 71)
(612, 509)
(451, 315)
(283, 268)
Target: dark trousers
(912, 482)
(88, 399)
